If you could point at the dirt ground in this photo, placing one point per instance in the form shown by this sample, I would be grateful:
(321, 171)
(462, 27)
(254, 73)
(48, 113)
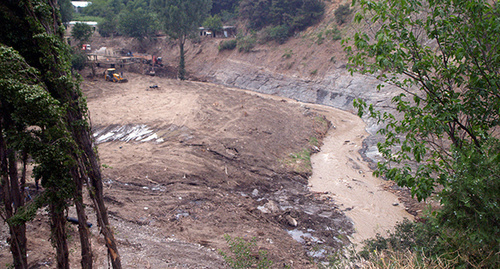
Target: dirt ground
(186, 163)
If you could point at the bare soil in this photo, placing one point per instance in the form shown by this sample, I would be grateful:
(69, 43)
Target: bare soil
(186, 163)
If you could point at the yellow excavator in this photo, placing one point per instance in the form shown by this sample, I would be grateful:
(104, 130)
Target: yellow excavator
(112, 75)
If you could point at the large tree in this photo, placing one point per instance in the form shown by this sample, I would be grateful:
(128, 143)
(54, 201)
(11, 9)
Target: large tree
(444, 56)
(81, 32)
(42, 117)
(138, 23)
(181, 19)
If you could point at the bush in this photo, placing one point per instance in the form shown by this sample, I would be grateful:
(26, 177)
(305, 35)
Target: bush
(228, 45)
(81, 32)
(342, 13)
(244, 254)
(108, 27)
(213, 23)
(297, 15)
(246, 44)
(278, 33)
(288, 54)
(430, 241)
(333, 33)
(78, 60)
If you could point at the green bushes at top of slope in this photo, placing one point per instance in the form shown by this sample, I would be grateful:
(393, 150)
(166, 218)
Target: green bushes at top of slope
(281, 18)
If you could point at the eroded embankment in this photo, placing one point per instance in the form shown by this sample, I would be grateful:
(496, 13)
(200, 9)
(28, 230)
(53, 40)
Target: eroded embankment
(339, 169)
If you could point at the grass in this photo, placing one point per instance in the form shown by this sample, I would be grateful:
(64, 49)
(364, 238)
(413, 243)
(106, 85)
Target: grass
(313, 141)
(301, 161)
(80, 17)
(244, 254)
(288, 54)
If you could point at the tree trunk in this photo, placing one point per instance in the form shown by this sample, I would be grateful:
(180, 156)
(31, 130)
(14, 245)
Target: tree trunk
(58, 224)
(96, 193)
(182, 63)
(88, 162)
(12, 199)
(83, 230)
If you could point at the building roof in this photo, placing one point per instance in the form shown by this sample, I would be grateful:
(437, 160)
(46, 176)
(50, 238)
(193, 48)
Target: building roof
(81, 4)
(90, 23)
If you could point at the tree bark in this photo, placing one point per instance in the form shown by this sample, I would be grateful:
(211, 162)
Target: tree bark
(89, 164)
(12, 199)
(182, 61)
(58, 224)
(83, 229)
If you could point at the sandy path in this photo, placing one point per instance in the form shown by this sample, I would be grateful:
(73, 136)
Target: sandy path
(340, 171)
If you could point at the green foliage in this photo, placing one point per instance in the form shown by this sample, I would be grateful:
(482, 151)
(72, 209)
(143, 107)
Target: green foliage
(66, 10)
(314, 142)
(278, 33)
(213, 23)
(225, 8)
(333, 33)
(244, 254)
(342, 13)
(246, 43)
(181, 20)
(282, 17)
(320, 38)
(137, 23)
(444, 56)
(108, 26)
(407, 236)
(228, 45)
(81, 32)
(78, 60)
(431, 243)
(296, 14)
(288, 54)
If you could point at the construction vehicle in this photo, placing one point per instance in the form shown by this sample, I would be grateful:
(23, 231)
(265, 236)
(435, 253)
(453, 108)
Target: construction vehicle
(112, 75)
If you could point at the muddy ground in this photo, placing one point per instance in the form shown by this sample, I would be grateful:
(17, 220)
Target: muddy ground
(186, 163)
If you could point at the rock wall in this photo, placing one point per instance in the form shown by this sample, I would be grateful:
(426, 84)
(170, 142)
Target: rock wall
(337, 88)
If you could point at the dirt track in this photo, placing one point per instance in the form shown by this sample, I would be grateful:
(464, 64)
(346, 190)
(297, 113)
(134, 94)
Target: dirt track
(187, 162)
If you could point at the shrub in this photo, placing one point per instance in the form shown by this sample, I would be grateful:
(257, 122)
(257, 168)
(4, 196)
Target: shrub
(320, 38)
(81, 32)
(333, 34)
(246, 44)
(429, 241)
(244, 254)
(288, 54)
(342, 13)
(228, 45)
(278, 33)
(78, 59)
(108, 27)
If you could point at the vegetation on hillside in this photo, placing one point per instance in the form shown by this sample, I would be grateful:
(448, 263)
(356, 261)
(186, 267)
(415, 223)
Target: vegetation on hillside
(278, 19)
(445, 57)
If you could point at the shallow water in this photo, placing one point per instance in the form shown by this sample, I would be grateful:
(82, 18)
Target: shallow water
(339, 171)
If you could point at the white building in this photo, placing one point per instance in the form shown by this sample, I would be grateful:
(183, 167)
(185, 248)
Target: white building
(78, 5)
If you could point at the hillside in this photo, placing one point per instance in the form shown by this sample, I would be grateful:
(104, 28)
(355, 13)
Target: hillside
(188, 162)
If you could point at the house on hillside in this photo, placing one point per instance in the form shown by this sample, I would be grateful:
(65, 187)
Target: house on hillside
(78, 5)
(227, 31)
